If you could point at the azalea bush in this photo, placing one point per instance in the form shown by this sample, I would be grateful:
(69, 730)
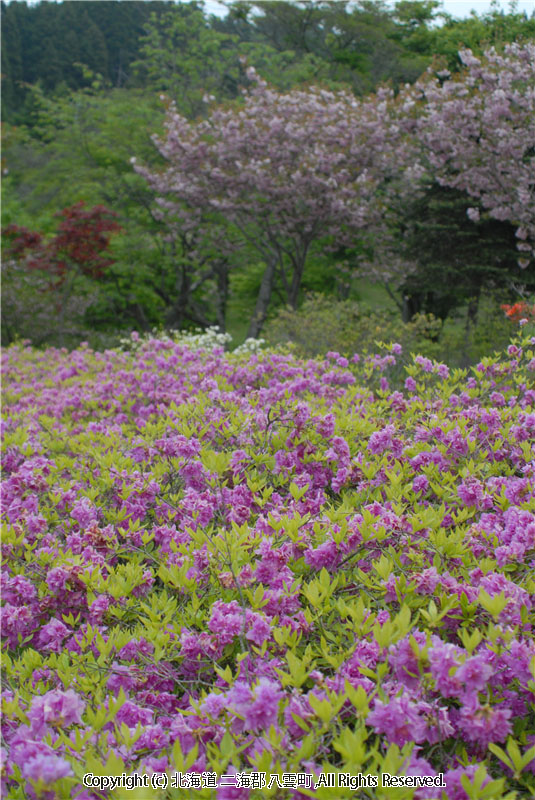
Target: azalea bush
(519, 310)
(242, 572)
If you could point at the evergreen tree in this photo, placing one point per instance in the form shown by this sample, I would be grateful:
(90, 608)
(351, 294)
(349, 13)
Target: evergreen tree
(12, 64)
(93, 50)
(455, 257)
(42, 42)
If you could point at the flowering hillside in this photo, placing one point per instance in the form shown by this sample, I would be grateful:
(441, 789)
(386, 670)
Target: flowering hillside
(248, 576)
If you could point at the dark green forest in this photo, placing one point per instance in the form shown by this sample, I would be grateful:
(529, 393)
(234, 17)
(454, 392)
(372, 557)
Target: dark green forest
(360, 44)
(47, 43)
(86, 84)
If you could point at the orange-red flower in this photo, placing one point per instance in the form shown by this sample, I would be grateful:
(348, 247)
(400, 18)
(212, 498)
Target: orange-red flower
(518, 311)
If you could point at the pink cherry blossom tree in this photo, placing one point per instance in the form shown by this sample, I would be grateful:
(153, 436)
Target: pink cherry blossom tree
(473, 132)
(282, 172)
(476, 132)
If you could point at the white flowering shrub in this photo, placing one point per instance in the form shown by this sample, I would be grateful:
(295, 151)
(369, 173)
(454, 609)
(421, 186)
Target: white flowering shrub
(209, 339)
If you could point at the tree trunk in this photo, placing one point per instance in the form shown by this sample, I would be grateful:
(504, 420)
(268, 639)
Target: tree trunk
(178, 311)
(221, 270)
(471, 319)
(405, 311)
(139, 314)
(262, 301)
(299, 268)
(473, 308)
(296, 285)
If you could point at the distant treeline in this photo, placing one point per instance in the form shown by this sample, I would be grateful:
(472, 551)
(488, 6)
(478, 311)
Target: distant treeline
(359, 43)
(43, 42)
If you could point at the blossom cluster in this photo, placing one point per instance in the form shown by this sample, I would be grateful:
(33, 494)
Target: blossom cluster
(207, 339)
(519, 311)
(249, 563)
